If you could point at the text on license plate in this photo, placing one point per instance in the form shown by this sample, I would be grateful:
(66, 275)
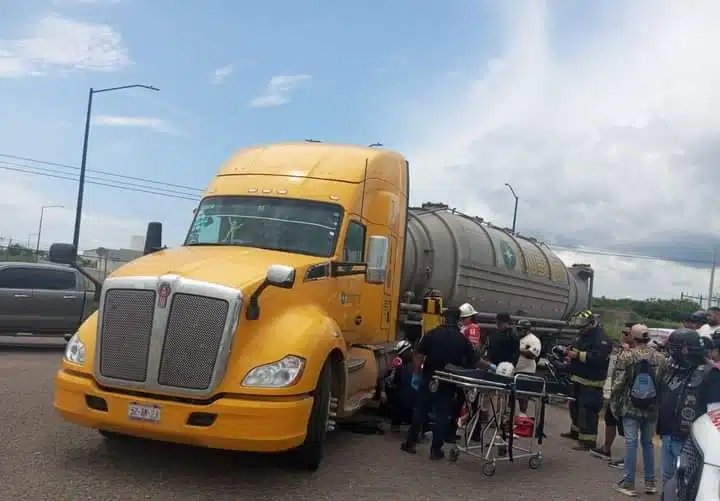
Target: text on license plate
(140, 412)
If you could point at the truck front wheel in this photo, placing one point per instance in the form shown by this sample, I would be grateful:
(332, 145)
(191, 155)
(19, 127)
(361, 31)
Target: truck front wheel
(309, 455)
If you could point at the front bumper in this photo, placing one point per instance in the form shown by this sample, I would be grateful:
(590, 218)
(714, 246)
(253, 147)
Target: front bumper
(241, 423)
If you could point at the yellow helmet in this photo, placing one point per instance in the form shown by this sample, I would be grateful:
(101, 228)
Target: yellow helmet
(582, 319)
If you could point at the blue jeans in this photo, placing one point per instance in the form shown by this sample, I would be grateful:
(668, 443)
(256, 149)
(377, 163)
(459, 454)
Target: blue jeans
(645, 428)
(671, 449)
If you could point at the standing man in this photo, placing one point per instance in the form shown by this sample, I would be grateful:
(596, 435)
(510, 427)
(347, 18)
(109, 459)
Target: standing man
(635, 397)
(503, 345)
(439, 347)
(688, 385)
(589, 362)
(468, 327)
(613, 423)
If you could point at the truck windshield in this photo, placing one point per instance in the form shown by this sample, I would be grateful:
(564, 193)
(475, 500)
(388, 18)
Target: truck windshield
(290, 225)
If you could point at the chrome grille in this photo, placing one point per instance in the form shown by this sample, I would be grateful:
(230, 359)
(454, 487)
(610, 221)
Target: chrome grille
(194, 332)
(125, 333)
(690, 471)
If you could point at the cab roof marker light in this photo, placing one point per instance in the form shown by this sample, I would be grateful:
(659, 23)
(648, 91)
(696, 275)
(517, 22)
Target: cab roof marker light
(252, 190)
(267, 190)
(334, 197)
(282, 192)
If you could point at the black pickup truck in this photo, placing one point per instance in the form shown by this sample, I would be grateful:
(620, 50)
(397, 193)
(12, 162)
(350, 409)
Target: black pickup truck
(43, 299)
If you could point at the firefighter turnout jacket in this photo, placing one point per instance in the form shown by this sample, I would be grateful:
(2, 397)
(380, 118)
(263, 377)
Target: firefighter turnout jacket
(590, 368)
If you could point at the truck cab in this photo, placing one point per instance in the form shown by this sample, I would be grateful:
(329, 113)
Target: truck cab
(270, 322)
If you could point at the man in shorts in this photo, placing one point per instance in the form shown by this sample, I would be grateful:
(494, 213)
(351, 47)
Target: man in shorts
(613, 425)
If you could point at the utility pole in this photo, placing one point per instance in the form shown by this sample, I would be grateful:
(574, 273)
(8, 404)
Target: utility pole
(712, 278)
(83, 163)
(516, 206)
(42, 214)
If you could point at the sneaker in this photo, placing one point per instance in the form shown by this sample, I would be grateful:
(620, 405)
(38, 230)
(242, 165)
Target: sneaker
(650, 487)
(571, 435)
(626, 488)
(618, 464)
(601, 453)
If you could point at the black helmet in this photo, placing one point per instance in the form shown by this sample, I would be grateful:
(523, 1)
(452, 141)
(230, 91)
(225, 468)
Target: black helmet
(524, 324)
(686, 339)
(700, 317)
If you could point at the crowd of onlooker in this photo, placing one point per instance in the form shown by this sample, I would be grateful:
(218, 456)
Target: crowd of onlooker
(656, 388)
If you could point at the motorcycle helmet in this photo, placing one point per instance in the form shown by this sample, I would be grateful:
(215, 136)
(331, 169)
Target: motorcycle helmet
(402, 346)
(686, 347)
(505, 369)
(524, 324)
(700, 317)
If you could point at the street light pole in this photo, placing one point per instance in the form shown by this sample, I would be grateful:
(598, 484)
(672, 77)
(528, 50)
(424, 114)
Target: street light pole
(42, 213)
(83, 164)
(516, 206)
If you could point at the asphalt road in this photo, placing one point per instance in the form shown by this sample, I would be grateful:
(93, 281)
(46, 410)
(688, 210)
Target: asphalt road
(44, 458)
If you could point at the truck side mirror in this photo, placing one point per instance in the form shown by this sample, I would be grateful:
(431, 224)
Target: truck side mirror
(153, 238)
(377, 262)
(63, 254)
(280, 275)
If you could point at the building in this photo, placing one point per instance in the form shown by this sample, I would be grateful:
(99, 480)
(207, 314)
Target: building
(137, 242)
(106, 261)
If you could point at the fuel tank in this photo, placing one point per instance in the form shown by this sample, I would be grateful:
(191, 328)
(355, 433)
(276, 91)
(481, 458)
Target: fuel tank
(467, 259)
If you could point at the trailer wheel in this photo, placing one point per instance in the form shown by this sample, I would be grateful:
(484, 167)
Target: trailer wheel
(309, 455)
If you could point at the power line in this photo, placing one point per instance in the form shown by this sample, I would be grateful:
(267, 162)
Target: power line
(105, 173)
(39, 171)
(600, 252)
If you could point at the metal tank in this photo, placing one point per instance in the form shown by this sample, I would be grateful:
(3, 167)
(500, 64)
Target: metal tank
(467, 259)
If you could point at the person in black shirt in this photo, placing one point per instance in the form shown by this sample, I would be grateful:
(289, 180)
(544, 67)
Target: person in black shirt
(686, 388)
(503, 345)
(439, 347)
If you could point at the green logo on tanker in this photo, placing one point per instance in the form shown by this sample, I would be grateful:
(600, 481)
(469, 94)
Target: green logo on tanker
(508, 255)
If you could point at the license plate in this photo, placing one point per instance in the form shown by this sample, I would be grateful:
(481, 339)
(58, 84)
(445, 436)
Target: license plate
(140, 412)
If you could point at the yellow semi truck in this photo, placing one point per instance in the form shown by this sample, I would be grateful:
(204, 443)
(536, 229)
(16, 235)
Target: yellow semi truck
(277, 315)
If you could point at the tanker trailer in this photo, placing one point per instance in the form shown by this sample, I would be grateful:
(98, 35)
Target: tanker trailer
(465, 258)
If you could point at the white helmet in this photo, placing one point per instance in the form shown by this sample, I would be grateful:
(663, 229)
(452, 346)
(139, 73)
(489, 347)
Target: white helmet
(505, 369)
(467, 310)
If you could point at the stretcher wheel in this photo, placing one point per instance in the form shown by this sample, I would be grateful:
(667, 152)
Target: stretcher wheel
(535, 462)
(453, 454)
(489, 469)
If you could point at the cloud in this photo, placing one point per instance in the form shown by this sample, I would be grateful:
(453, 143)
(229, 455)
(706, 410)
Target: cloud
(607, 131)
(21, 199)
(56, 43)
(153, 123)
(642, 278)
(222, 73)
(279, 90)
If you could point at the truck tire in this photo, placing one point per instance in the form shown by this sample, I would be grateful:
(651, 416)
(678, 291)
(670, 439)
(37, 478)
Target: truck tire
(309, 455)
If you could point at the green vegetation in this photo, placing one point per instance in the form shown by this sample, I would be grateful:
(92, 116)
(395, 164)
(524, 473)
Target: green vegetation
(659, 313)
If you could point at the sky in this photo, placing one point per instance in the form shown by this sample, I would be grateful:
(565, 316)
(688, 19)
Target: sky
(601, 115)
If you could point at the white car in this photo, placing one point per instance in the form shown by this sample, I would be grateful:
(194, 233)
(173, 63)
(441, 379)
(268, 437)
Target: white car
(698, 468)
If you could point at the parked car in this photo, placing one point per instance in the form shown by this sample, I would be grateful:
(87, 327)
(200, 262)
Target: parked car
(43, 299)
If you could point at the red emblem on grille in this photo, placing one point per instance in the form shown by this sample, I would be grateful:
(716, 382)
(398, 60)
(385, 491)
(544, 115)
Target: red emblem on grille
(163, 295)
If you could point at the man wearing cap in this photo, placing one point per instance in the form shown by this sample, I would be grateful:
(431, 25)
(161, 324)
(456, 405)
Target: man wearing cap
(635, 399)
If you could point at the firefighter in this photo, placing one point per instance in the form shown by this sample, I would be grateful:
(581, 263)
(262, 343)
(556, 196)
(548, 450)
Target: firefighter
(589, 361)
(468, 327)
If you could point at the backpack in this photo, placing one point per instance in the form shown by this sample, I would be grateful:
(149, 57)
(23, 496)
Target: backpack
(643, 392)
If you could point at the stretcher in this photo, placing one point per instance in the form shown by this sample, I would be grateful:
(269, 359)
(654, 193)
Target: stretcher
(491, 399)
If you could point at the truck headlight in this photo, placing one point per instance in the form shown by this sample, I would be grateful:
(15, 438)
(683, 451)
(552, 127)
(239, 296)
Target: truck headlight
(278, 374)
(75, 350)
